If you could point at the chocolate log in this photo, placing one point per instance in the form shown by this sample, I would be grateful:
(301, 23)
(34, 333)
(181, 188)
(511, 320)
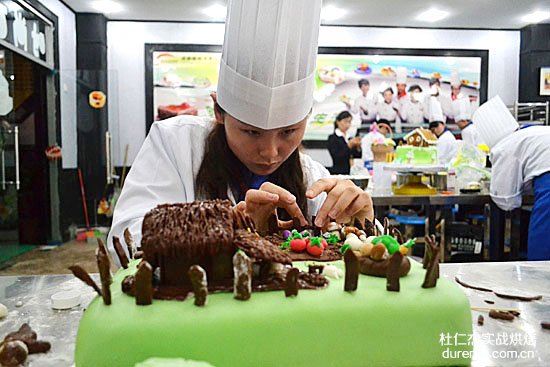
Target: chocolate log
(85, 277)
(242, 276)
(29, 337)
(432, 271)
(352, 271)
(13, 353)
(501, 315)
(104, 267)
(291, 282)
(129, 242)
(144, 284)
(119, 252)
(197, 275)
(392, 277)
(369, 266)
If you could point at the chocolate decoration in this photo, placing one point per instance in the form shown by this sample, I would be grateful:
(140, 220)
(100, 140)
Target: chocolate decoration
(197, 275)
(396, 233)
(369, 266)
(357, 223)
(29, 337)
(432, 271)
(242, 270)
(85, 277)
(128, 285)
(129, 242)
(498, 294)
(515, 313)
(489, 302)
(501, 315)
(471, 286)
(259, 248)
(13, 353)
(387, 226)
(315, 269)
(545, 325)
(104, 266)
(144, 284)
(352, 271)
(138, 255)
(291, 282)
(480, 320)
(392, 277)
(272, 224)
(119, 252)
(369, 228)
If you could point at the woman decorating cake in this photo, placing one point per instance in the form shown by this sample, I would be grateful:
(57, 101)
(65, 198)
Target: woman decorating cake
(250, 155)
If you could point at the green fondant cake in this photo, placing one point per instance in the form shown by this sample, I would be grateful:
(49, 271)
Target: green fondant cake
(407, 154)
(327, 327)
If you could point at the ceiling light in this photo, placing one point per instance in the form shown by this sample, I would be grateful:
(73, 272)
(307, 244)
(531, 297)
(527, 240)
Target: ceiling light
(536, 16)
(107, 6)
(215, 11)
(432, 15)
(331, 12)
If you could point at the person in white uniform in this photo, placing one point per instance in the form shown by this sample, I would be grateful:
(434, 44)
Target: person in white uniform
(250, 154)
(462, 114)
(520, 160)
(446, 146)
(365, 104)
(447, 100)
(401, 96)
(388, 109)
(412, 112)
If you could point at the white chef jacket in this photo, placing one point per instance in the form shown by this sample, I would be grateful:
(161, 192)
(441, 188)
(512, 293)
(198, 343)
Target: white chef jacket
(368, 102)
(516, 161)
(366, 145)
(387, 111)
(471, 136)
(412, 113)
(446, 147)
(164, 171)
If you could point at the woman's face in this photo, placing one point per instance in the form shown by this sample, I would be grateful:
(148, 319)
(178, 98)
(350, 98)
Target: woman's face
(344, 124)
(262, 151)
(388, 96)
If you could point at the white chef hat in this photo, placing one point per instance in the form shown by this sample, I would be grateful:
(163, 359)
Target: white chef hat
(267, 69)
(461, 109)
(455, 79)
(435, 110)
(494, 121)
(401, 75)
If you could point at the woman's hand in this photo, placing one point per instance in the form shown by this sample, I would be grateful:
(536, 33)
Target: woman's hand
(262, 203)
(345, 200)
(354, 142)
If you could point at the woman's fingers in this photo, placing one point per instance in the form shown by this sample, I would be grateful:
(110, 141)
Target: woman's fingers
(284, 195)
(274, 196)
(359, 208)
(319, 186)
(286, 224)
(261, 197)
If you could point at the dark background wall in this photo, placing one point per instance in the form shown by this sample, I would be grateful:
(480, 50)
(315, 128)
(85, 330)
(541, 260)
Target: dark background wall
(534, 53)
(91, 39)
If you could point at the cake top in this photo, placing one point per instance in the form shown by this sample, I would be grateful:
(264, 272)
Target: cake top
(190, 229)
(420, 136)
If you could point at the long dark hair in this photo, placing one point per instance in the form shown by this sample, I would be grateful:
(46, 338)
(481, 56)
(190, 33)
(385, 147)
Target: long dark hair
(220, 169)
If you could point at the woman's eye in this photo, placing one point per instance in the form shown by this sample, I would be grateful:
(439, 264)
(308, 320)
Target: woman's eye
(252, 132)
(288, 132)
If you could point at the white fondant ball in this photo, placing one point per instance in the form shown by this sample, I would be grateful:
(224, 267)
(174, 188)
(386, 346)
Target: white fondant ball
(3, 311)
(355, 243)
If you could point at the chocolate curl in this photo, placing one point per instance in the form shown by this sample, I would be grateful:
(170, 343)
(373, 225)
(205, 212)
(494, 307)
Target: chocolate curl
(129, 242)
(396, 233)
(85, 277)
(120, 252)
(352, 271)
(386, 226)
(392, 274)
(104, 266)
(545, 325)
(432, 271)
(501, 315)
(28, 336)
(144, 284)
(242, 279)
(315, 269)
(291, 282)
(272, 224)
(197, 275)
(480, 320)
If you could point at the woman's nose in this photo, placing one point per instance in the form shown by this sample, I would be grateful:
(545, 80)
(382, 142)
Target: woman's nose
(268, 149)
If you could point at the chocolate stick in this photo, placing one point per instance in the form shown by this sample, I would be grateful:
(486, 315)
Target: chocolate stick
(272, 224)
(432, 271)
(545, 325)
(120, 252)
(386, 226)
(85, 277)
(501, 315)
(144, 284)
(352, 271)
(104, 267)
(291, 282)
(242, 276)
(129, 242)
(197, 275)
(392, 274)
(396, 233)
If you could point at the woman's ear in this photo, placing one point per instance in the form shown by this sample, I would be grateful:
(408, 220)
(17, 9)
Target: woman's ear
(217, 112)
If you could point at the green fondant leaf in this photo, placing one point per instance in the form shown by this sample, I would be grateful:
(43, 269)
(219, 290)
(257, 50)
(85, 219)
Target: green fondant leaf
(315, 241)
(344, 248)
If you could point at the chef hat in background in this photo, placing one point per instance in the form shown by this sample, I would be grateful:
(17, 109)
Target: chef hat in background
(267, 69)
(455, 79)
(461, 109)
(435, 111)
(494, 121)
(401, 75)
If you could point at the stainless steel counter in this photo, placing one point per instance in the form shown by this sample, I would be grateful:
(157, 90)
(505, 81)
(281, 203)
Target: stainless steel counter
(60, 327)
